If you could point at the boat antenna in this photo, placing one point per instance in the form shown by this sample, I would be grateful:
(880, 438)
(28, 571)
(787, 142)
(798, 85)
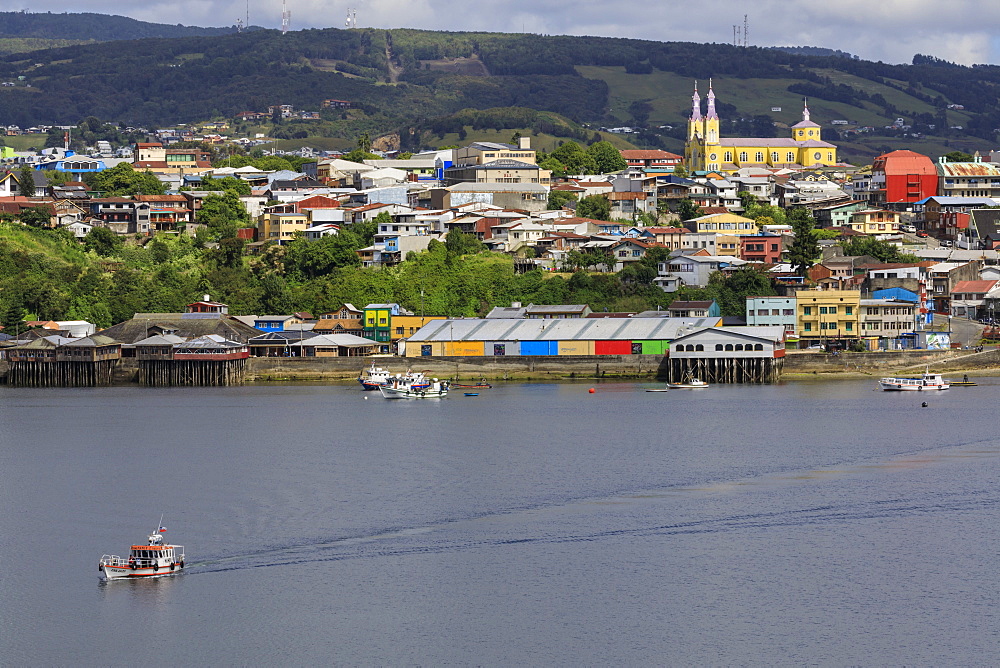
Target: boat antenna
(160, 524)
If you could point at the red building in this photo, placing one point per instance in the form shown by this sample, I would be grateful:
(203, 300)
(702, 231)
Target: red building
(764, 248)
(903, 176)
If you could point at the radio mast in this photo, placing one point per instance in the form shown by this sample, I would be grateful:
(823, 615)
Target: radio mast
(286, 16)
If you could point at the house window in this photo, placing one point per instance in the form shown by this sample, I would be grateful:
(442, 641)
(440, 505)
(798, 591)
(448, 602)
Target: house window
(743, 156)
(790, 156)
(822, 310)
(759, 156)
(833, 310)
(807, 310)
(849, 310)
(729, 156)
(774, 156)
(807, 326)
(787, 311)
(849, 326)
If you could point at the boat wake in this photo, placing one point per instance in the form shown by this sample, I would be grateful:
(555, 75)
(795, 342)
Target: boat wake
(554, 523)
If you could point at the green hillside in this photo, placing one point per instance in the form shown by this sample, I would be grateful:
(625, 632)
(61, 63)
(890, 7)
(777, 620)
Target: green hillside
(419, 83)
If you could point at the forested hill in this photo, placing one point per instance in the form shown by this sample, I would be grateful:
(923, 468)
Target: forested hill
(404, 79)
(96, 27)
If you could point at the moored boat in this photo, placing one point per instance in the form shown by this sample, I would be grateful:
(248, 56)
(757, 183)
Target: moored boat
(473, 386)
(375, 377)
(401, 387)
(155, 558)
(928, 381)
(691, 384)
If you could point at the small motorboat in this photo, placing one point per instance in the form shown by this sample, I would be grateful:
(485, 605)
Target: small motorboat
(657, 389)
(690, 384)
(472, 394)
(473, 386)
(928, 381)
(153, 559)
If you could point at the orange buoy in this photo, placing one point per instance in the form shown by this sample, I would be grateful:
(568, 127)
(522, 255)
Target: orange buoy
(591, 390)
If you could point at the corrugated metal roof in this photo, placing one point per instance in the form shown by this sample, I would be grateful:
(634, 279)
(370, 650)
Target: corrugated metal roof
(967, 169)
(767, 332)
(559, 329)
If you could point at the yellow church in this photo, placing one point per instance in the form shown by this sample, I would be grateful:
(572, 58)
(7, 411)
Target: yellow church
(705, 150)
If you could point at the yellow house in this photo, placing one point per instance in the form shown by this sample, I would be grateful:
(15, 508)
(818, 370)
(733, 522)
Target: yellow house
(727, 244)
(825, 315)
(723, 223)
(875, 221)
(280, 228)
(405, 325)
(706, 150)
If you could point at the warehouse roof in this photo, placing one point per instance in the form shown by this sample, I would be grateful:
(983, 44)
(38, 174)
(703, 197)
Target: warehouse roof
(559, 329)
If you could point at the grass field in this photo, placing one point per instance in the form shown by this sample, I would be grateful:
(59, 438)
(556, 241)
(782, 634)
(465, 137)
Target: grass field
(25, 142)
(543, 142)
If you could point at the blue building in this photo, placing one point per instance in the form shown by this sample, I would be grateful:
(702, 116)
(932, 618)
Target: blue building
(763, 311)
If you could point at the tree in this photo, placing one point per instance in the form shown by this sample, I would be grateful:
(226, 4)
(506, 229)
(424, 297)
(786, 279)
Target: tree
(882, 250)
(687, 209)
(459, 243)
(640, 111)
(804, 250)
(26, 181)
(597, 207)
(559, 198)
(123, 180)
(575, 160)
(357, 155)
(607, 157)
(680, 171)
(957, 156)
(36, 216)
(13, 316)
(102, 241)
(223, 214)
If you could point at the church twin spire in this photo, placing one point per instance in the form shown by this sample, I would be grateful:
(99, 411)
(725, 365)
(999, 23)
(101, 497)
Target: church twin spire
(696, 104)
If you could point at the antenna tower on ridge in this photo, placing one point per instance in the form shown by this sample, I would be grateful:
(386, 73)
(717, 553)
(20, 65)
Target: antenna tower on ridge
(746, 30)
(352, 18)
(286, 16)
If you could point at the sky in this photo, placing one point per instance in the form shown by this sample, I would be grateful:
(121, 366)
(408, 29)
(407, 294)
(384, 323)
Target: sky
(887, 30)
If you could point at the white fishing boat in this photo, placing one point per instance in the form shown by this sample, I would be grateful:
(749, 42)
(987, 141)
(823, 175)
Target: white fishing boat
(401, 387)
(155, 558)
(375, 377)
(928, 381)
(691, 384)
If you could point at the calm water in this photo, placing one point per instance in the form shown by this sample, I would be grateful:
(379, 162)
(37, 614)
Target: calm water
(812, 522)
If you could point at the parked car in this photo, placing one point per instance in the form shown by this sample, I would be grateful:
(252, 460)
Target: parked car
(921, 234)
(947, 243)
(908, 228)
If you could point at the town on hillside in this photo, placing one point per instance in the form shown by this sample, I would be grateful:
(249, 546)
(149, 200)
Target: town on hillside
(896, 255)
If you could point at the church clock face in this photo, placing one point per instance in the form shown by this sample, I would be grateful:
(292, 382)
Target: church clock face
(817, 155)
(712, 157)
